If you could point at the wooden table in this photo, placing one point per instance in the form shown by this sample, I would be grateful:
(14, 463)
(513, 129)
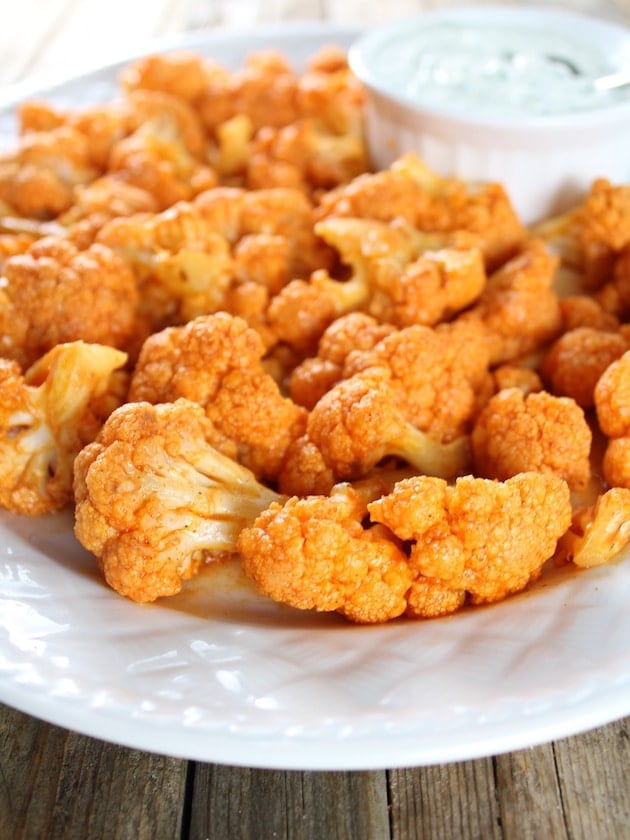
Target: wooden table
(58, 784)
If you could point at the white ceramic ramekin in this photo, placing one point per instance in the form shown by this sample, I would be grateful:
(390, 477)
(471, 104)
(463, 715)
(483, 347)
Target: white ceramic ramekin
(545, 161)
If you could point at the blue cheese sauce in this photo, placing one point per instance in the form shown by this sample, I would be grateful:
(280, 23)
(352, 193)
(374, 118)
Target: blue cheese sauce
(494, 67)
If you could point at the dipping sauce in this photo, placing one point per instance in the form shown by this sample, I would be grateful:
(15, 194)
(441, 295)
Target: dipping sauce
(496, 68)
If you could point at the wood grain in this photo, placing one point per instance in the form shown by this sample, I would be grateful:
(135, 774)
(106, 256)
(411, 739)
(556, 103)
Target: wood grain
(593, 779)
(445, 801)
(261, 804)
(58, 784)
(528, 795)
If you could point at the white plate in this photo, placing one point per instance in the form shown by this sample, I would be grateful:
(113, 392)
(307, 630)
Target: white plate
(219, 674)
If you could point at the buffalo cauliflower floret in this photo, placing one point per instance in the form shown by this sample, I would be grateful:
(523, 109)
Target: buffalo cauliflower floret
(215, 360)
(409, 190)
(486, 538)
(589, 236)
(304, 470)
(163, 153)
(437, 375)
(306, 155)
(352, 333)
(359, 422)
(582, 310)
(330, 91)
(519, 305)
(13, 330)
(324, 145)
(265, 259)
(577, 359)
(517, 376)
(180, 73)
(612, 398)
(99, 202)
(64, 294)
(616, 462)
(314, 553)
(430, 289)
(300, 313)
(295, 130)
(482, 208)
(264, 89)
(383, 196)
(182, 265)
(37, 179)
(373, 255)
(538, 432)
(237, 213)
(100, 125)
(154, 500)
(12, 243)
(598, 532)
(360, 245)
(46, 416)
(621, 280)
(612, 406)
(604, 228)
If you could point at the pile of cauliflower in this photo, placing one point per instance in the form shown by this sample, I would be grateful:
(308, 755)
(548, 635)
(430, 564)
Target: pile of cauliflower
(222, 334)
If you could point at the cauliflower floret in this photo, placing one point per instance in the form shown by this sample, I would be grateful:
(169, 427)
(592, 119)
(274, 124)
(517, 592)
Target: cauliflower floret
(329, 91)
(598, 532)
(604, 228)
(613, 296)
(180, 73)
(13, 330)
(12, 243)
(612, 398)
(305, 155)
(538, 432)
(154, 500)
(64, 295)
(409, 190)
(264, 89)
(37, 179)
(382, 196)
(304, 471)
(237, 213)
(300, 313)
(100, 126)
(585, 311)
(577, 359)
(215, 360)
(371, 252)
(163, 154)
(486, 538)
(612, 406)
(46, 416)
(359, 422)
(314, 553)
(182, 265)
(517, 376)
(430, 289)
(272, 127)
(482, 208)
(621, 279)
(589, 237)
(97, 203)
(438, 375)
(353, 333)
(265, 259)
(519, 305)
